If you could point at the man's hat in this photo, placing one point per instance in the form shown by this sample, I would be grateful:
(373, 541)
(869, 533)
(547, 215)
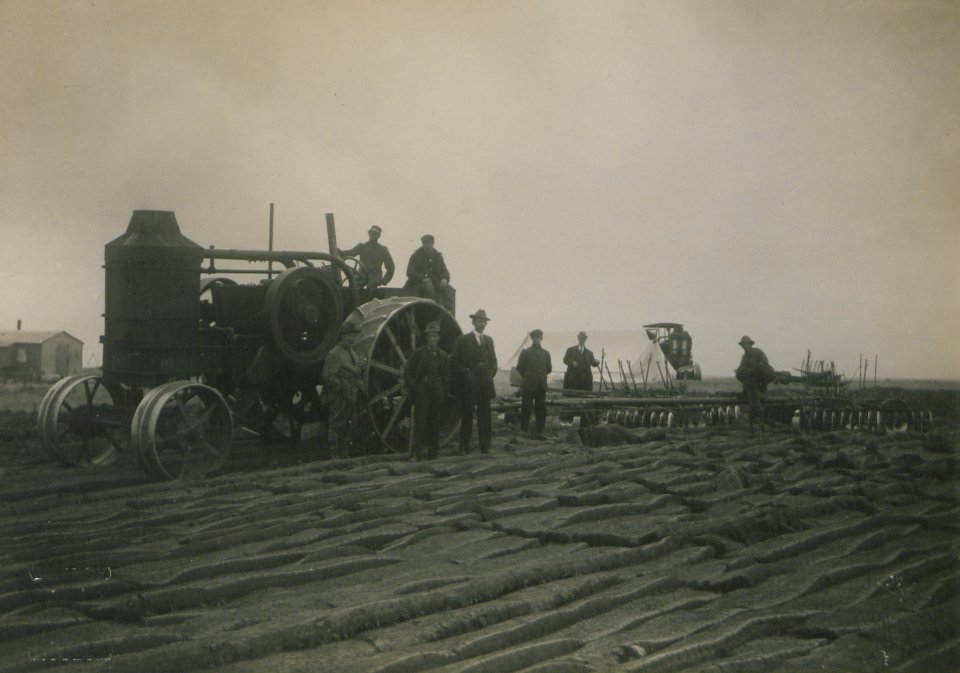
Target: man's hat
(536, 333)
(426, 238)
(432, 328)
(582, 335)
(349, 328)
(479, 315)
(745, 340)
(375, 230)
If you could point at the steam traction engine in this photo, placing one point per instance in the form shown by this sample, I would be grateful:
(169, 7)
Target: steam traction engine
(189, 353)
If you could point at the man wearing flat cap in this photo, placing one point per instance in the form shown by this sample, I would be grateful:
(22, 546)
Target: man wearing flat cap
(426, 378)
(474, 363)
(534, 365)
(427, 275)
(376, 263)
(345, 392)
(754, 373)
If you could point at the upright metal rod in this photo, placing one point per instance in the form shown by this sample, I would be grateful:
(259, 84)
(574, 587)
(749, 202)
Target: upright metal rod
(270, 245)
(332, 235)
(332, 241)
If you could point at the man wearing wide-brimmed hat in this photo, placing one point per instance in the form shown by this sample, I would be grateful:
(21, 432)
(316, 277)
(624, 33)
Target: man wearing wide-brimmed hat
(427, 274)
(376, 263)
(474, 362)
(345, 392)
(754, 373)
(426, 378)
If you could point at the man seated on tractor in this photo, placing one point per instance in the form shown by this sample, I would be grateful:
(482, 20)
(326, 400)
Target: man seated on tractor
(375, 260)
(427, 275)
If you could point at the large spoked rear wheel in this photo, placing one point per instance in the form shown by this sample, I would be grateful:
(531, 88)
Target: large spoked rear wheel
(80, 424)
(390, 330)
(182, 430)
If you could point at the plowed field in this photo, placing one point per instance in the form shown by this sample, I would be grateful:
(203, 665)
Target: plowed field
(705, 550)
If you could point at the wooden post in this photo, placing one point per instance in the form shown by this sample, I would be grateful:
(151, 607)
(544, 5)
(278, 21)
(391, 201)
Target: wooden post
(603, 354)
(662, 377)
(630, 368)
(270, 245)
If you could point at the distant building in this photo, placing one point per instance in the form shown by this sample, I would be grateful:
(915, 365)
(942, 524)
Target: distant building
(39, 355)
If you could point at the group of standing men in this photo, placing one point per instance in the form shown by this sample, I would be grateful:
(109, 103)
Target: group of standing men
(430, 376)
(533, 366)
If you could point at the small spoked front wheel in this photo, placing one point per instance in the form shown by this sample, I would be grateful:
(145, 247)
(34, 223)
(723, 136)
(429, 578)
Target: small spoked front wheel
(182, 430)
(80, 423)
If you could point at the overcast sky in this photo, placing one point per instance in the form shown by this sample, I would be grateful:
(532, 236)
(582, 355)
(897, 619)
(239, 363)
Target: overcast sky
(787, 170)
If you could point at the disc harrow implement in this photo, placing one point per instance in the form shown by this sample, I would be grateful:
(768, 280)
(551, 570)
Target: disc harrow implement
(802, 414)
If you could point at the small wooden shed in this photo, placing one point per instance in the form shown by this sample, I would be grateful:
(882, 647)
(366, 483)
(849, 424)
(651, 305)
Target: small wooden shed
(39, 355)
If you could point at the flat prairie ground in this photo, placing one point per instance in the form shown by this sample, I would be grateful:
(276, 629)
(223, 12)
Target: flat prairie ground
(678, 550)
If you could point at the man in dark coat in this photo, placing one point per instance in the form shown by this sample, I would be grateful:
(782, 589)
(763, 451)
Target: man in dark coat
(376, 260)
(754, 373)
(534, 365)
(427, 275)
(345, 391)
(580, 362)
(474, 363)
(426, 377)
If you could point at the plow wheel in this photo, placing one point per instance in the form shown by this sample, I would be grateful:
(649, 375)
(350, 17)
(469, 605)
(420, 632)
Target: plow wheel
(182, 430)
(390, 330)
(80, 424)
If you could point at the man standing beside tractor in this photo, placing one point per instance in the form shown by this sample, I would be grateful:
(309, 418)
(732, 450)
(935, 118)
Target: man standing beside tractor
(426, 377)
(474, 361)
(344, 388)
